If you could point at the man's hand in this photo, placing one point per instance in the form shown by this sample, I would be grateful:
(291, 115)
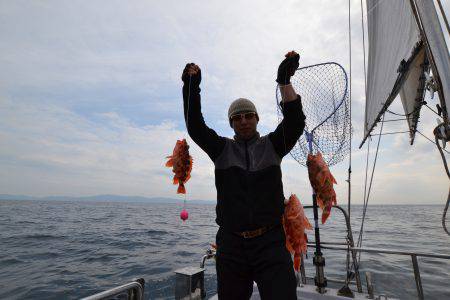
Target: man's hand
(192, 74)
(288, 67)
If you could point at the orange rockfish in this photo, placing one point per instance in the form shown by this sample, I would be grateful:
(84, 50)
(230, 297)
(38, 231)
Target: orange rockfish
(322, 182)
(181, 163)
(295, 223)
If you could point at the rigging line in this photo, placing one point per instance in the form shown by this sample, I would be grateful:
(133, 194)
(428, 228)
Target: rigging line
(350, 107)
(365, 197)
(444, 214)
(388, 133)
(394, 120)
(430, 140)
(405, 115)
(364, 50)
(347, 280)
(432, 110)
(365, 95)
(360, 237)
(444, 16)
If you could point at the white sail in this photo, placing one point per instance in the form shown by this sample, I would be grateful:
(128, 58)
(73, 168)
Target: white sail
(393, 37)
(399, 58)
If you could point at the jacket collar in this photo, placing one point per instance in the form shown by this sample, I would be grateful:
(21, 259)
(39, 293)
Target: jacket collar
(250, 141)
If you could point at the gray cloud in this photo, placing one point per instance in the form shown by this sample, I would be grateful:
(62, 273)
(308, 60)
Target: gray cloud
(69, 69)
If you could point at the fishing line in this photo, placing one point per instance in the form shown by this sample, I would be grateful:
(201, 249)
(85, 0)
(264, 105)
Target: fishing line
(187, 129)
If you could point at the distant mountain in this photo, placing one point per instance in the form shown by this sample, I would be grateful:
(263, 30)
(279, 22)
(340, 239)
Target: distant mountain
(104, 198)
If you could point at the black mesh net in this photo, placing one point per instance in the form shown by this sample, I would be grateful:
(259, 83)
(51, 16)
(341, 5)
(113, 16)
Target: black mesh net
(323, 88)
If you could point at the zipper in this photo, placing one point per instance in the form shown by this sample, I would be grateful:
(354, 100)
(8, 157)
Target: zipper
(247, 157)
(247, 160)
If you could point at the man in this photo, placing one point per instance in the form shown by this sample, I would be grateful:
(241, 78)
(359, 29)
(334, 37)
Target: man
(250, 240)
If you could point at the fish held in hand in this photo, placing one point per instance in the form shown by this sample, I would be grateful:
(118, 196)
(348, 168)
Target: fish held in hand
(181, 163)
(295, 223)
(322, 182)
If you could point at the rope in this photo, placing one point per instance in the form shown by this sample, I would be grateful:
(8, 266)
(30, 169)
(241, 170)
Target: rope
(366, 200)
(439, 147)
(432, 110)
(405, 115)
(444, 214)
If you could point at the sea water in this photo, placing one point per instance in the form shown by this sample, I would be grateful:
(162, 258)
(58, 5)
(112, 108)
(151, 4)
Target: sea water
(67, 250)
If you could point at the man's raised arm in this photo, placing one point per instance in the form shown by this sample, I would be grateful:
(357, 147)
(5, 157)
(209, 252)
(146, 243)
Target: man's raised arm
(291, 127)
(202, 135)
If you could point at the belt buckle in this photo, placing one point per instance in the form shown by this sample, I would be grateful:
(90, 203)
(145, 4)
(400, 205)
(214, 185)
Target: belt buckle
(247, 235)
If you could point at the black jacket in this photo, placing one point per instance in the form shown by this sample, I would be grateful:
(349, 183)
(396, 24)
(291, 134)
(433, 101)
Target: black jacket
(248, 174)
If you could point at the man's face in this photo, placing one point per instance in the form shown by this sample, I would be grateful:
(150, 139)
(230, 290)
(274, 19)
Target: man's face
(244, 125)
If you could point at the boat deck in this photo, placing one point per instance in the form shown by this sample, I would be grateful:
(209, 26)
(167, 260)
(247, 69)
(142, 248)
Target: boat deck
(308, 292)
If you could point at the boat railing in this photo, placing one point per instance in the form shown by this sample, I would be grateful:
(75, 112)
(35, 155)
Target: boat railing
(413, 256)
(349, 246)
(133, 291)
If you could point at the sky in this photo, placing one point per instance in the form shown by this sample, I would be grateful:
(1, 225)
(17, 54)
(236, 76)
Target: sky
(90, 95)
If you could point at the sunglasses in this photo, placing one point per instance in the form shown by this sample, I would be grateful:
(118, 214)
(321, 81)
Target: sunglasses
(247, 116)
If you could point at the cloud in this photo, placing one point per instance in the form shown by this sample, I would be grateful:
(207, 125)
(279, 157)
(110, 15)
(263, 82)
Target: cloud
(90, 95)
(68, 154)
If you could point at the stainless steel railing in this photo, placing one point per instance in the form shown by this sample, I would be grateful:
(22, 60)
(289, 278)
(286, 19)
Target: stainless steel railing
(413, 256)
(350, 244)
(134, 291)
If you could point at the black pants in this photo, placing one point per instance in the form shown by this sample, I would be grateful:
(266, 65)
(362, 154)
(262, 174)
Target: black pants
(262, 259)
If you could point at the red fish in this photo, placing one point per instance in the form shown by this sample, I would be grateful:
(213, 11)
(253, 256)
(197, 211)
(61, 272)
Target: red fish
(181, 163)
(322, 182)
(295, 223)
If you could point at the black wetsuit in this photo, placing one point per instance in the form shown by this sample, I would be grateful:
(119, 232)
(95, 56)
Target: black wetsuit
(249, 196)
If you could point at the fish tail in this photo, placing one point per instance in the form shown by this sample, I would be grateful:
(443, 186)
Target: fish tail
(297, 261)
(181, 189)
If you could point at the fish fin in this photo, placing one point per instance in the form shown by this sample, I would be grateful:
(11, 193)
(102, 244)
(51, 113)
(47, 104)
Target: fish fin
(297, 261)
(332, 179)
(181, 189)
(307, 225)
(187, 177)
(175, 179)
(325, 215)
(169, 163)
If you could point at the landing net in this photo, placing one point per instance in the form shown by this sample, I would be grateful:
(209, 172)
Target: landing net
(323, 88)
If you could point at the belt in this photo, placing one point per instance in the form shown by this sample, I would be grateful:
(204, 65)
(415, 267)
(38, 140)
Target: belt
(254, 233)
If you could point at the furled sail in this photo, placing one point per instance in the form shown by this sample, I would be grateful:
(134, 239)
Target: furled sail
(438, 48)
(394, 47)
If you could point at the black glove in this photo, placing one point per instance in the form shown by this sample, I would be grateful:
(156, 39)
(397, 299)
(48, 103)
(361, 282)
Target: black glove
(287, 68)
(193, 74)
